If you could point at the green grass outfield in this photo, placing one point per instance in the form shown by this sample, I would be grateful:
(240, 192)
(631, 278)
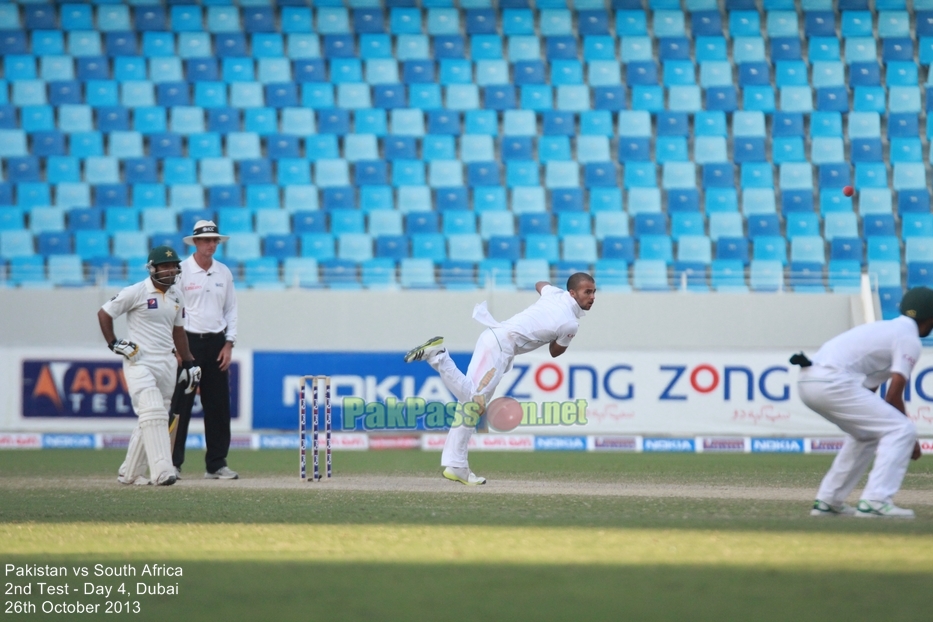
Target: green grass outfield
(440, 551)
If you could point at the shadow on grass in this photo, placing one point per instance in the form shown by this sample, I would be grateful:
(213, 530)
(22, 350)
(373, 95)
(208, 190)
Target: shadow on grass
(323, 507)
(234, 591)
(68, 503)
(766, 470)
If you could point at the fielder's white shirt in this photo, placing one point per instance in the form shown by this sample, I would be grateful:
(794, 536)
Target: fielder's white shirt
(874, 351)
(553, 317)
(150, 315)
(209, 298)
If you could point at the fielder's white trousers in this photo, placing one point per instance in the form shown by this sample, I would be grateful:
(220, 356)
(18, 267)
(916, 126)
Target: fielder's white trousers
(492, 358)
(874, 429)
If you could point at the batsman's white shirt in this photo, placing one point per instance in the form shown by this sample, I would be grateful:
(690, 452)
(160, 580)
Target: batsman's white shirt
(210, 299)
(150, 316)
(874, 351)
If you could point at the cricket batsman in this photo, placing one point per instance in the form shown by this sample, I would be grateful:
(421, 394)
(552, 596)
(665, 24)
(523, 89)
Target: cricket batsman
(154, 311)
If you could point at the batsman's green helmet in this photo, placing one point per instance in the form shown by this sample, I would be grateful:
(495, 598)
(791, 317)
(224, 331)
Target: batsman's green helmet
(918, 303)
(163, 254)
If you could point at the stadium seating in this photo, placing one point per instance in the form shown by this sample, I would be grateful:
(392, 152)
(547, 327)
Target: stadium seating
(663, 145)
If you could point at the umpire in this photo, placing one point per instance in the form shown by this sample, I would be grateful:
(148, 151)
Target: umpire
(211, 324)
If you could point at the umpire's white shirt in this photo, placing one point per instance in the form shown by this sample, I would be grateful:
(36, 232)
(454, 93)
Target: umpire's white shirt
(873, 352)
(150, 316)
(209, 298)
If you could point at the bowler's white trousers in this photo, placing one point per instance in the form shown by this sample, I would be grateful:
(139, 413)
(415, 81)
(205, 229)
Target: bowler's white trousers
(492, 358)
(874, 429)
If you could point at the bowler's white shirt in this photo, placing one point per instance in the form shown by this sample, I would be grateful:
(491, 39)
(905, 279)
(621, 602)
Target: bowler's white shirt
(150, 315)
(553, 317)
(209, 297)
(874, 351)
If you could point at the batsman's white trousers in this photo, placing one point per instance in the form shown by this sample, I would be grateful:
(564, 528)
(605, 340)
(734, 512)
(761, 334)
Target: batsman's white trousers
(158, 372)
(492, 358)
(874, 429)
(147, 373)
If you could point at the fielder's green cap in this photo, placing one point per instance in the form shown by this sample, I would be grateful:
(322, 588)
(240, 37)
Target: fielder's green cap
(163, 254)
(918, 303)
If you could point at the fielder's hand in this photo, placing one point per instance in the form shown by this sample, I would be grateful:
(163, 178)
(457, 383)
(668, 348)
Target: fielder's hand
(127, 349)
(190, 376)
(917, 453)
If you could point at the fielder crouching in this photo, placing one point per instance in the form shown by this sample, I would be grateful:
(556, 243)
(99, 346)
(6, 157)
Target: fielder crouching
(841, 384)
(155, 325)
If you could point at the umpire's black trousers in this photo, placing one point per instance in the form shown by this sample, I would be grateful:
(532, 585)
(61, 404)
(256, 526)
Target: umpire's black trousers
(215, 399)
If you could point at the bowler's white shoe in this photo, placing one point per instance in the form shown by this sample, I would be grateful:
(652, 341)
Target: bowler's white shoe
(426, 349)
(177, 474)
(881, 509)
(464, 476)
(821, 508)
(222, 473)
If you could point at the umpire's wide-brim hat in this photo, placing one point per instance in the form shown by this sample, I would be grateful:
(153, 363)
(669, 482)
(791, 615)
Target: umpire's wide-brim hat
(204, 229)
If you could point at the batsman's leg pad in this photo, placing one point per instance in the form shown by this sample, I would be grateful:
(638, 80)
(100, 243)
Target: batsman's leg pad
(153, 423)
(134, 465)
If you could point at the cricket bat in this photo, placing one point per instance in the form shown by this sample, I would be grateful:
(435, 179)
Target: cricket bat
(172, 430)
(173, 417)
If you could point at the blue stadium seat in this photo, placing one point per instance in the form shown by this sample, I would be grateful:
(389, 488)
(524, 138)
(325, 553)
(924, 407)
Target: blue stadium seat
(393, 247)
(840, 225)
(430, 246)
(846, 249)
(619, 248)
(769, 248)
(809, 249)
(732, 248)
(642, 200)
(687, 224)
(505, 247)
(378, 273)
(319, 246)
(802, 224)
(309, 222)
(913, 201)
(528, 272)
(655, 247)
(339, 273)
(422, 222)
(890, 301)
(757, 184)
(650, 275)
(919, 274)
(27, 271)
(140, 170)
(300, 272)
(916, 225)
(844, 276)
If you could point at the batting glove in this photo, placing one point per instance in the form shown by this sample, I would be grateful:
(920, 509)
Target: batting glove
(190, 376)
(125, 348)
